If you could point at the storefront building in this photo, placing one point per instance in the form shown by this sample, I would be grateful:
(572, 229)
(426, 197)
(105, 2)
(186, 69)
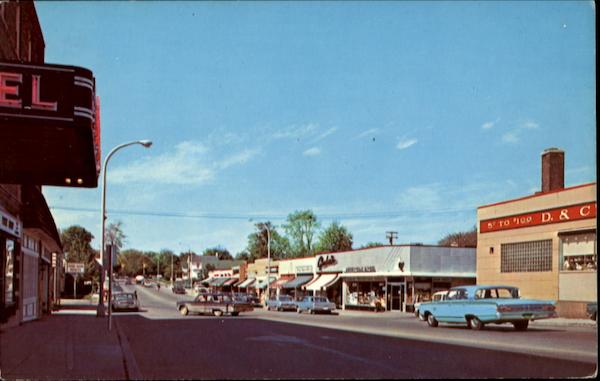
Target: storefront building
(49, 135)
(294, 274)
(391, 278)
(544, 243)
(257, 281)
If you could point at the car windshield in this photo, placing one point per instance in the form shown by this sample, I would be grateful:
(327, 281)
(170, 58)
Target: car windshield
(321, 300)
(285, 298)
(124, 297)
(497, 293)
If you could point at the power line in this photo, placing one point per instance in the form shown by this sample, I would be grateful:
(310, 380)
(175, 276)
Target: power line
(240, 216)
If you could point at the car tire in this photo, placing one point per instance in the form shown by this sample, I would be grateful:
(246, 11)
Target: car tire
(217, 313)
(279, 309)
(432, 321)
(235, 313)
(416, 313)
(521, 325)
(184, 311)
(310, 311)
(299, 310)
(475, 323)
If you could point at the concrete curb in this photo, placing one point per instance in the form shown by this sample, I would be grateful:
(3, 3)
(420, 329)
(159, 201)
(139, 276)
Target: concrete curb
(131, 367)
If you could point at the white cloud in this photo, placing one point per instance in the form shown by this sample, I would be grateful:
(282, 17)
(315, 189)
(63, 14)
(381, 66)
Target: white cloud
(511, 137)
(325, 134)
(187, 163)
(405, 143)
(314, 151)
(514, 136)
(297, 132)
(530, 125)
(371, 132)
(488, 125)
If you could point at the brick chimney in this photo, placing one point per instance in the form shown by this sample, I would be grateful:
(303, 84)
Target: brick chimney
(553, 169)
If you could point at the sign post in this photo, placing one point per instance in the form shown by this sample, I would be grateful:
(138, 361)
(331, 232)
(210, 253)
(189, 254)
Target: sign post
(74, 269)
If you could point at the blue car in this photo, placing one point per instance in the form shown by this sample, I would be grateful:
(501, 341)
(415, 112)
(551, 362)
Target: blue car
(314, 304)
(477, 306)
(281, 303)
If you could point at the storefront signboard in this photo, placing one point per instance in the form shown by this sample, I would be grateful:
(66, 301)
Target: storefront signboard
(543, 217)
(326, 261)
(48, 117)
(360, 269)
(304, 269)
(75, 268)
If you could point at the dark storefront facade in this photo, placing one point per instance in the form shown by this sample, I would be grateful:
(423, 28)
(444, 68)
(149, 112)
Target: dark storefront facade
(49, 135)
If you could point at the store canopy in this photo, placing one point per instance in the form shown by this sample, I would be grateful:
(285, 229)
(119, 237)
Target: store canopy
(262, 283)
(246, 283)
(238, 283)
(49, 125)
(322, 282)
(231, 281)
(218, 282)
(280, 282)
(298, 281)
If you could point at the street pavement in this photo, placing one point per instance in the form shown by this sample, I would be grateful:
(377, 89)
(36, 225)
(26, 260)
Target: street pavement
(159, 344)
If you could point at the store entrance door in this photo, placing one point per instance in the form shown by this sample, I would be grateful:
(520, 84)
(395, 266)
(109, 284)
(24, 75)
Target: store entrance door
(395, 296)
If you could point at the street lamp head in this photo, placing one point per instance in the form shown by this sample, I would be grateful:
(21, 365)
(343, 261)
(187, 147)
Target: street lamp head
(145, 143)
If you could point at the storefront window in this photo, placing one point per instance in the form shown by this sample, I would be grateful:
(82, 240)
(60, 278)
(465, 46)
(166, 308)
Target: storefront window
(579, 252)
(365, 294)
(9, 272)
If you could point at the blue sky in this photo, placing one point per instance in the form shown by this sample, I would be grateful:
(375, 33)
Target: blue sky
(401, 116)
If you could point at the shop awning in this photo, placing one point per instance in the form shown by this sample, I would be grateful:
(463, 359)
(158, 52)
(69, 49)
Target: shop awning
(280, 282)
(238, 283)
(36, 215)
(218, 282)
(262, 283)
(298, 281)
(322, 282)
(231, 281)
(246, 283)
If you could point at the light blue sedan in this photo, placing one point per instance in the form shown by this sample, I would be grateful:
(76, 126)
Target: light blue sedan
(480, 305)
(313, 304)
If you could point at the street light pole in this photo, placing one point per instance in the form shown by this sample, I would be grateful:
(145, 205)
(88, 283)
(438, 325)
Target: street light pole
(100, 310)
(268, 264)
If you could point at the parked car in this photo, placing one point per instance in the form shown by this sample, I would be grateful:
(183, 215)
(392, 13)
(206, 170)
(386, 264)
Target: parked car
(436, 297)
(214, 303)
(178, 289)
(139, 279)
(281, 303)
(592, 310)
(125, 301)
(477, 306)
(313, 304)
(254, 300)
(147, 283)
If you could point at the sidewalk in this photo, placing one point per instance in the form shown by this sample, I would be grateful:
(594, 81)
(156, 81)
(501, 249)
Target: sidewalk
(71, 344)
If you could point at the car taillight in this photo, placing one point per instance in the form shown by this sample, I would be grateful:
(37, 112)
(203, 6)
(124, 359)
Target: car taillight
(504, 308)
(548, 307)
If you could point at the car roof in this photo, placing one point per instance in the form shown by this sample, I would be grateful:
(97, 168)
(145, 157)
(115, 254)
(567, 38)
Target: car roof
(472, 288)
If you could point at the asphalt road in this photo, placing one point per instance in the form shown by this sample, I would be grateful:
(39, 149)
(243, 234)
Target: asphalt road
(263, 344)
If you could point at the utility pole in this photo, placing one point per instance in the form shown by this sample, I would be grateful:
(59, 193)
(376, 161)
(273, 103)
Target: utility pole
(391, 236)
(172, 280)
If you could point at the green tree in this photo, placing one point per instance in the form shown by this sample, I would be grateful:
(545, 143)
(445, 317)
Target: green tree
(243, 256)
(372, 244)
(76, 242)
(460, 239)
(257, 242)
(334, 238)
(300, 228)
(113, 234)
(219, 252)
